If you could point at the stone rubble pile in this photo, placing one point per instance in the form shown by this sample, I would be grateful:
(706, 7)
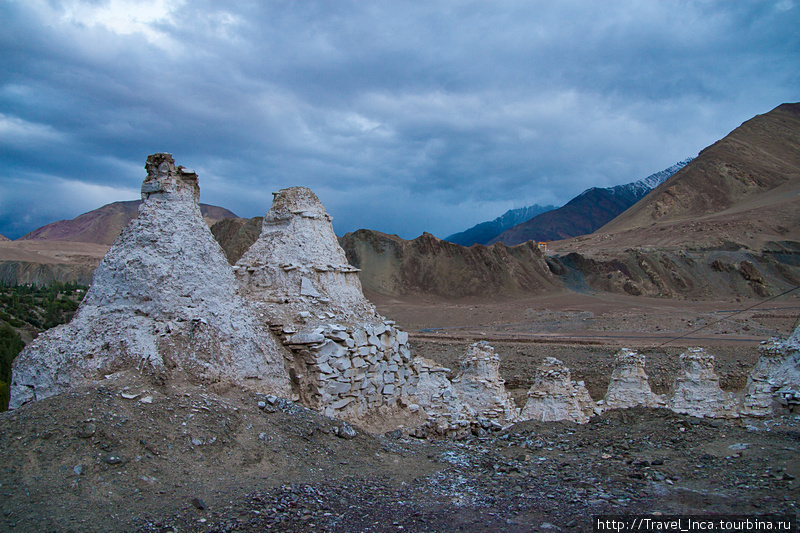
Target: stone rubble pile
(554, 396)
(774, 383)
(696, 390)
(480, 386)
(164, 301)
(629, 385)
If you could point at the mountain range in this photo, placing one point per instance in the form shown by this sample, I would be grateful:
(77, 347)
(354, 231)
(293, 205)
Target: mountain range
(743, 189)
(486, 231)
(726, 224)
(585, 213)
(103, 225)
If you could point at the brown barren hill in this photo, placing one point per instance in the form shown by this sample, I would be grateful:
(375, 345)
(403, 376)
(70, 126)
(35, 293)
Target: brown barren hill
(428, 265)
(103, 225)
(743, 189)
(236, 235)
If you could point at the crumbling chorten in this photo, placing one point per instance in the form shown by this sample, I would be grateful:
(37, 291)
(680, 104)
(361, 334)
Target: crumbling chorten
(774, 383)
(554, 396)
(479, 385)
(696, 391)
(476, 399)
(163, 301)
(629, 385)
(346, 359)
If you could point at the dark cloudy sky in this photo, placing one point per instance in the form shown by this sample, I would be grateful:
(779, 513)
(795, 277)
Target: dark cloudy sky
(403, 116)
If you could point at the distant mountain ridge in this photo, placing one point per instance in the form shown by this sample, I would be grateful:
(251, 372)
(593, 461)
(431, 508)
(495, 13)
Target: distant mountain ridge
(587, 212)
(103, 225)
(485, 231)
(743, 189)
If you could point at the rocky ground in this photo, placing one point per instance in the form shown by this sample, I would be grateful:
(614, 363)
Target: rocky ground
(120, 457)
(128, 456)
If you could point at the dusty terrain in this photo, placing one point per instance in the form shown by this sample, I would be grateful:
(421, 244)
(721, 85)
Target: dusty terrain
(586, 330)
(182, 458)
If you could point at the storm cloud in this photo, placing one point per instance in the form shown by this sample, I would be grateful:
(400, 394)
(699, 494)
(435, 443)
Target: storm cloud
(403, 117)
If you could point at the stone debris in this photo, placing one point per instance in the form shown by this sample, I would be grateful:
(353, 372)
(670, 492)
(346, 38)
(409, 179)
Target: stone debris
(629, 385)
(696, 391)
(163, 301)
(554, 396)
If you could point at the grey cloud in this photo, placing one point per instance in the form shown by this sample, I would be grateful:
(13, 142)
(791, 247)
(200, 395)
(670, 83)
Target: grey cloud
(404, 117)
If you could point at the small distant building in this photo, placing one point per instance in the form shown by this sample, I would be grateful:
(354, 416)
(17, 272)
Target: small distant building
(542, 246)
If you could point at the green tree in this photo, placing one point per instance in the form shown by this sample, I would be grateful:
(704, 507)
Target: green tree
(10, 346)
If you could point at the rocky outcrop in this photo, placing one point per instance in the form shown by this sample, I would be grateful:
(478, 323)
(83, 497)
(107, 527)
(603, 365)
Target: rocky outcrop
(346, 360)
(44, 274)
(427, 265)
(163, 301)
(696, 391)
(629, 385)
(554, 396)
(237, 235)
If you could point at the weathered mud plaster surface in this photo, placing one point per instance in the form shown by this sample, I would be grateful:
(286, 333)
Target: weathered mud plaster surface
(696, 391)
(555, 396)
(774, 383)
(345, 359)
(629, 385)
(164, 301)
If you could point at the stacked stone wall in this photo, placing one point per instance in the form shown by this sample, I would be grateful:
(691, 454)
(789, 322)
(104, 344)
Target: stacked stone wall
(345, 371)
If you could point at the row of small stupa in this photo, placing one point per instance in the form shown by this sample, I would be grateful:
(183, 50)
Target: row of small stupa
(290, 319)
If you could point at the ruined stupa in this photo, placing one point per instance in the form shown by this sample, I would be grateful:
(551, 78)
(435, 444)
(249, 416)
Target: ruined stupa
(553, 396)
(346, 360)
(475, 400)
(480, 386)
(163, 302)
(629, 385)
(696, 391)
(774, 383)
